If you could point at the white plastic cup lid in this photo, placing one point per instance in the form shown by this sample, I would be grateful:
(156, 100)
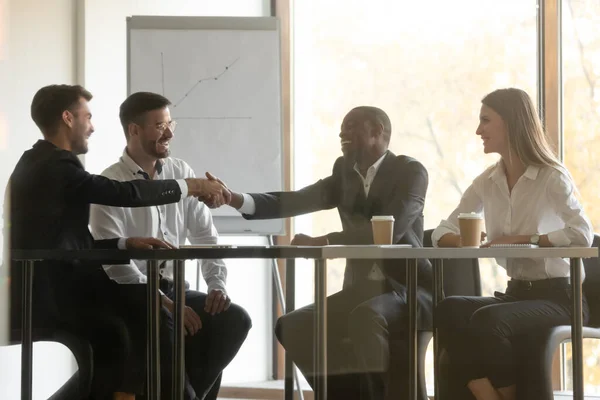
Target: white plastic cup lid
(382, 218)
(471, 215)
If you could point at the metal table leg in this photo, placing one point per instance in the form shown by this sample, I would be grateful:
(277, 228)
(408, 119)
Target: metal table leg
(412, 329)
(576, 329)
(290, 304)
(178, 319)
(438, 295)
(153, 371)
(320, 339)
(26, 327)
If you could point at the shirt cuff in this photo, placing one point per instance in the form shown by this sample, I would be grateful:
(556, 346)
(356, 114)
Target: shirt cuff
(122, 244)
(184, 188)
(438, 233)
(249, 206)
(216, 283)
(559, 239)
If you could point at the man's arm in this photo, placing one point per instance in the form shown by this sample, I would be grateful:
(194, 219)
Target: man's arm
(97, 189)
(109, 222)
(322, 195)
(105, 244)
(405, 203)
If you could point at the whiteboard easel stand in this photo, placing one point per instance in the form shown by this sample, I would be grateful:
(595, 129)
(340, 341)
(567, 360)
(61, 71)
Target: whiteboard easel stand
(280, 298)
(282, 303)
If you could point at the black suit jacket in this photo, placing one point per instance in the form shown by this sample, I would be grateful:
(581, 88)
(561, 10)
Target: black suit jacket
(399, 189)
(50, 195)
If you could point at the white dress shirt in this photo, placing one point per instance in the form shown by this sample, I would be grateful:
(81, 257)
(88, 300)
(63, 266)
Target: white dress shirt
(188, 219)
(543, 201)
(249, 206)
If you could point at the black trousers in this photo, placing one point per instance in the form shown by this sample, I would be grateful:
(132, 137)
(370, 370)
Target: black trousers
(478, 332)
(120, 354)
(366, 341)
(209, 351)
(112, 318)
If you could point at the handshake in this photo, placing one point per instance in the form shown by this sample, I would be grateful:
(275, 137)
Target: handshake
(213, 192)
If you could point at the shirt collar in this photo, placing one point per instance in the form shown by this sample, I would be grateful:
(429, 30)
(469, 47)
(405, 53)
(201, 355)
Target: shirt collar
(375, 166)
(532, 172)
(497, 172)
(135, 168)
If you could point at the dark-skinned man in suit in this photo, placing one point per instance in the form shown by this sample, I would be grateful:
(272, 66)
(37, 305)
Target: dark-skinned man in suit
(50, 195)
(367, 319)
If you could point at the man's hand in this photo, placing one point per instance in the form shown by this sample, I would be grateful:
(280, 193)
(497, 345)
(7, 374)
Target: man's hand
(147, 243)
(236, 200)
(216, 302)
(210, 190)
(211, 177)
(214, 202)
(191, 320)
(305, 240)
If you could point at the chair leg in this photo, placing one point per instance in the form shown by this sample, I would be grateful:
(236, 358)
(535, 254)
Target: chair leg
(69, 390)
(423, 339)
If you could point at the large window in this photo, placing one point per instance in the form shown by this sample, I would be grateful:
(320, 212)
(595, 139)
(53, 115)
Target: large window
(427, 70)
(581, 137)
(428, 65)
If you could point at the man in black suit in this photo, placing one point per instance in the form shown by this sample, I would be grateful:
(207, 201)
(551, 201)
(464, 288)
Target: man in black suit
(50, 195)
(366, 320)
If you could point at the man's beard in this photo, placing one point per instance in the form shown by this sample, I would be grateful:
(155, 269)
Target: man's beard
(80, 147)
(150, 147)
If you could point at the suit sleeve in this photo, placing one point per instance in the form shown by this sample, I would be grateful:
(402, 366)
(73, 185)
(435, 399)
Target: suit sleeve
(405, 203)
(96, 189)
(106, 244)
(322, 195)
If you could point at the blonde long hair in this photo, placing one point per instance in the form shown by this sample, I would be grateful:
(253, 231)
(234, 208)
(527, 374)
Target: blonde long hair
(526, 137)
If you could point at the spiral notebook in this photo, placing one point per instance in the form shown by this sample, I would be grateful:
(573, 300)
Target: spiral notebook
(514, 246)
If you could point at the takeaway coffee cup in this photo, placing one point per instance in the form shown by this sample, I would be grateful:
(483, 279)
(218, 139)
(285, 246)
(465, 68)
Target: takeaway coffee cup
(383, 229)
(470, 225)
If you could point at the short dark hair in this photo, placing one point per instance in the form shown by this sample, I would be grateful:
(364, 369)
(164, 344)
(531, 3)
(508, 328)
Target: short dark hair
(135, 106)
(377, 116)
(51, 101)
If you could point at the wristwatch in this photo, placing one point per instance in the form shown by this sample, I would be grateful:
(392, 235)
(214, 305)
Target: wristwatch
(535, 239)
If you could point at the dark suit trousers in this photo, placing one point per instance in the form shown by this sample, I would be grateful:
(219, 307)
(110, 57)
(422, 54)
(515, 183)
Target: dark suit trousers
(478, 332)
(366, 346)
(211, 349)
(113, 318)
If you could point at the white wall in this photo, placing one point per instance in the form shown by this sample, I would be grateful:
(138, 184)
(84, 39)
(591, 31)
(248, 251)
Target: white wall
(3, 133)
(39, 51)
(42, 48)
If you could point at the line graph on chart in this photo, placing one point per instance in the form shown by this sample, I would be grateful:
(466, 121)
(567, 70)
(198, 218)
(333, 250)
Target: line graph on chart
(196, 85)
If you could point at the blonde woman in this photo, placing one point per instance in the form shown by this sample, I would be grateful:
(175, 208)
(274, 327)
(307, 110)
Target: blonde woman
(528, 196)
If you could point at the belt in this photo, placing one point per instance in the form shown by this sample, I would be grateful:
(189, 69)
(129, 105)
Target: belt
(551, 283)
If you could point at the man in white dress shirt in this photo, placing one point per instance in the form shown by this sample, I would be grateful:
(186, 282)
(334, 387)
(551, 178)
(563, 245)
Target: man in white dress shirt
(215, 329)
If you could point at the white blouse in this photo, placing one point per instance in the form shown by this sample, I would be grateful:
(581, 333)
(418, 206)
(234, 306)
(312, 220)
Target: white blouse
(543, 201)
